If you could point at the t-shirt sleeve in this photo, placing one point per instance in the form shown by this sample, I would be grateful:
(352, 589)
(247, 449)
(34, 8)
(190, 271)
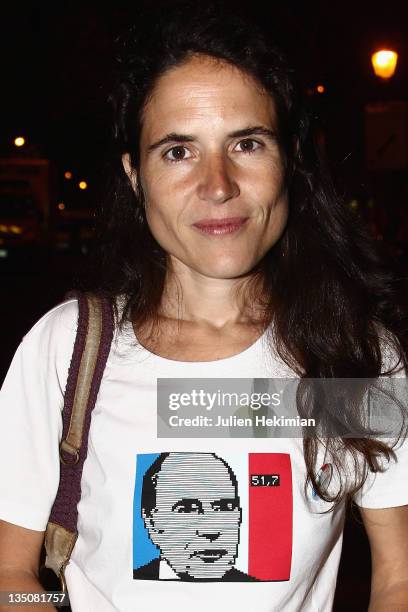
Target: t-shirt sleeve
(31, 402)
(390, 487)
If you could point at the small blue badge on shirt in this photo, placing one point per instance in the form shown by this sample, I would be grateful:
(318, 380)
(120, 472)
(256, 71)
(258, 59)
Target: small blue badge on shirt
(323, 479)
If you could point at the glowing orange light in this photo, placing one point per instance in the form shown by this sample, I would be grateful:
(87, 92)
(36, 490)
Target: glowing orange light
(83, 185)
(61, 206)
(384, 63)
(19, 141)
(68, 175)
(320, 88)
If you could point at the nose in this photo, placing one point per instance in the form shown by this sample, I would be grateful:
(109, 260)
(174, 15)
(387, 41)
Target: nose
(208, 535)
(207, 527)
(217, 183)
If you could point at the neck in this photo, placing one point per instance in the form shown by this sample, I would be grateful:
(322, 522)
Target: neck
(214, 302)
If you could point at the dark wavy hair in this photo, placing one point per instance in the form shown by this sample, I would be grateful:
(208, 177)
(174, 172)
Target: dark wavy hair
(333, 303)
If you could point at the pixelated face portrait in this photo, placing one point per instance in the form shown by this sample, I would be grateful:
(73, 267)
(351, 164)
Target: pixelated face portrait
(196, 517)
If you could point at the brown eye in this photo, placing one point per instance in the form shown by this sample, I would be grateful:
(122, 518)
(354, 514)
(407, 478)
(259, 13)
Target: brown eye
(249, 145)
(176, 154)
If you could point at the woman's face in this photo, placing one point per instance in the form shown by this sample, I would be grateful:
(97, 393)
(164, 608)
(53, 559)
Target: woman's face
(209, 152)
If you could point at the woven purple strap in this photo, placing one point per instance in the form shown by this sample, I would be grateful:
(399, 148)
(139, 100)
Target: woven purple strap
(64, 511)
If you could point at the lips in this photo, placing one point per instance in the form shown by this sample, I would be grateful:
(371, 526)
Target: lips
(220, 226)
(210, 555)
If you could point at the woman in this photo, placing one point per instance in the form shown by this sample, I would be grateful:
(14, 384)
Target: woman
(227, 254)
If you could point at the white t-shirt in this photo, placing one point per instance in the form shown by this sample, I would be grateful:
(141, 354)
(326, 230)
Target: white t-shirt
(180, 551)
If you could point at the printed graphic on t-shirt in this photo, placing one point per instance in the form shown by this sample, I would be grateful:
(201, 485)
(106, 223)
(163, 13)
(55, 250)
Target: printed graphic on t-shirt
(205, 517)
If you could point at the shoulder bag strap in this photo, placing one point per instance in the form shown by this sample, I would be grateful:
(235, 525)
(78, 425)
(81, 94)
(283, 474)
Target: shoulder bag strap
(91, 350)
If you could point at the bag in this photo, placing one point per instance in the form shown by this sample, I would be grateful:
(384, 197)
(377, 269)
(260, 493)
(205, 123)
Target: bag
(91, 349)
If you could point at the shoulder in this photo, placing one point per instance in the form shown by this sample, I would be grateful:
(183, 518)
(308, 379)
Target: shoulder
(149, 571)
(62, 319)
(47, 347)
(235, 575)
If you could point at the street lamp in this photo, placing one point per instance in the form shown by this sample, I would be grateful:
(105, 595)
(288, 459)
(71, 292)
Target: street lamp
(384, 63)
(19, 141)
(386, 119)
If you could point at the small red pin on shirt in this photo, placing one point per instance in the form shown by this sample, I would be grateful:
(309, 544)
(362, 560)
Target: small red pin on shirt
(323, 479)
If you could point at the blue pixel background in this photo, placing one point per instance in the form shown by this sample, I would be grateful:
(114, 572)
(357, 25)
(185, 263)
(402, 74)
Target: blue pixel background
(144, 550)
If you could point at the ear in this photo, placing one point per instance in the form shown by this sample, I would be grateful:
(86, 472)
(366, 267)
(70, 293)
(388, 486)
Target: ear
(148, 521)
(131, 172)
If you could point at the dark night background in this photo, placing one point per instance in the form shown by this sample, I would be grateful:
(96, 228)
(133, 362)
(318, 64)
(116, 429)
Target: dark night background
(57, 63)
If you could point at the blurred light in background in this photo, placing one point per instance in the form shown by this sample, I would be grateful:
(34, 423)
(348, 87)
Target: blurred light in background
(11, 229)
(68, 175)
(384, 63)
(320, 89)
(83, 185)
(19, 141)
(61, 206)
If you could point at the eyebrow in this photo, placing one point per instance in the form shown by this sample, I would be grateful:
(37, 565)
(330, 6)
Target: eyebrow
(253, 130)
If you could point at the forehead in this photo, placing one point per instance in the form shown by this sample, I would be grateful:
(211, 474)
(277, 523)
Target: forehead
(197, 476)
(206, 91)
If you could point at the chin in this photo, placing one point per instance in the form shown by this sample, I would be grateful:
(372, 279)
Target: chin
(225, 273)
(226, 270)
